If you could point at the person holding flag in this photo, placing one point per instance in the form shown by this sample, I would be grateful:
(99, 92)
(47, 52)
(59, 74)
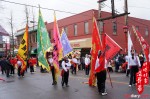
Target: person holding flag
(102, 74)
(134, 63)
(19, 65)
(74, 64)
(50, 61)
(65, 72)
(13, 62)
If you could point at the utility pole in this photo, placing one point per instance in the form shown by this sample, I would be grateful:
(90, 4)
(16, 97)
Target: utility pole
(126, 24)
(126, 11)
(114, 15)
(100, 23)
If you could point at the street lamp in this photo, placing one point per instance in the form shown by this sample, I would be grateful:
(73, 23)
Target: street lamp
(125, 30)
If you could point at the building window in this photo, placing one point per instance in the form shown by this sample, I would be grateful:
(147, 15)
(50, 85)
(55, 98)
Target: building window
(137, 28)
(33, 38)
(101, 26)
(146, 32)
(66, 30)
(114, 28)
(75, 30)
(86, 27)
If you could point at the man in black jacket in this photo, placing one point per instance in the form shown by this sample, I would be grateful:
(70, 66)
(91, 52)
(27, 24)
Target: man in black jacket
(6, 66)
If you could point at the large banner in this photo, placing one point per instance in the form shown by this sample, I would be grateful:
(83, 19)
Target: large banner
(65, 44)
(57, 46)
(43, 43)
(112, 48)
(143, 78)
(23, 50)
(96, 46)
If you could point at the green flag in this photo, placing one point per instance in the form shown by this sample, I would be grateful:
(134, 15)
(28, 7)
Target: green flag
(43, 43)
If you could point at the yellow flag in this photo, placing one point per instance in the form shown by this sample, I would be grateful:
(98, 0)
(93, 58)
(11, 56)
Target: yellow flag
(23, 49)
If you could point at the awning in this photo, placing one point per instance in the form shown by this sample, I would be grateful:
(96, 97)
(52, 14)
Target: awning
(81, 43)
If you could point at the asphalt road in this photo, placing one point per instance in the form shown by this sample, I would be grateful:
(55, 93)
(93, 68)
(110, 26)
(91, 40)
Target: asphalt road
(39, 86)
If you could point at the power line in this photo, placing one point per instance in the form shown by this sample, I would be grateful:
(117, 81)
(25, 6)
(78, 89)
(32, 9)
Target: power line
(41, 7)
(130, 18)
(67, 11)
(139, 7)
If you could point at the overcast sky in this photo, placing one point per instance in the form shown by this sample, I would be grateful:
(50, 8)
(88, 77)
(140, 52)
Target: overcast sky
(137, 8)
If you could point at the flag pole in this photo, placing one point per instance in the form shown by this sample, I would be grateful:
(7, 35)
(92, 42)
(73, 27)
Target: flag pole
(109, 78)
(106, 65)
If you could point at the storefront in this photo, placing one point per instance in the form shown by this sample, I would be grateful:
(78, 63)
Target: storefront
(82, 45)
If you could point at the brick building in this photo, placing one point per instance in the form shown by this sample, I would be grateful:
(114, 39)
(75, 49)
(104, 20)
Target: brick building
(79, 30)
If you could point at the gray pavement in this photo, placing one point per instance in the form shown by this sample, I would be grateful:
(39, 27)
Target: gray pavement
(39, 86)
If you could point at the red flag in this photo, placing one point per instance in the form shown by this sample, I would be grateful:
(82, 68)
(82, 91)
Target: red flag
(102, 57)
(145, 68)
(143, 43)
(112, 48)
(139, 81)
(145, 47)
(96, 45)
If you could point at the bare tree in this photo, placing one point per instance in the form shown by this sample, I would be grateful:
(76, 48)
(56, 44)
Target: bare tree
(12, 33)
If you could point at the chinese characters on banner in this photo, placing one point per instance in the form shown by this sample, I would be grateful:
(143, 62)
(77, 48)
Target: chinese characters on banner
(145, 68)
(139, 81)
(142, 78)
(145, 73)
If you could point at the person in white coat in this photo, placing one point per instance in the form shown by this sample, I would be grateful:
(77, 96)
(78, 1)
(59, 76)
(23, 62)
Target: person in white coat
(87, 64)
(65, 72)
(134, 64)
(74, 64)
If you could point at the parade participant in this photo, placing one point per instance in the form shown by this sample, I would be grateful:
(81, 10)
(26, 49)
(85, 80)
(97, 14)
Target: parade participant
(134, 63)
(13, 62)
(87, 64)
(109, 67)
(65, 72)
(141, 58)
(127, 66)
(2, 65)
(101, 75)
(31, 64)
(83, 62)
(50, 61)
(74, 64)
(7, 66)
(19, 65)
